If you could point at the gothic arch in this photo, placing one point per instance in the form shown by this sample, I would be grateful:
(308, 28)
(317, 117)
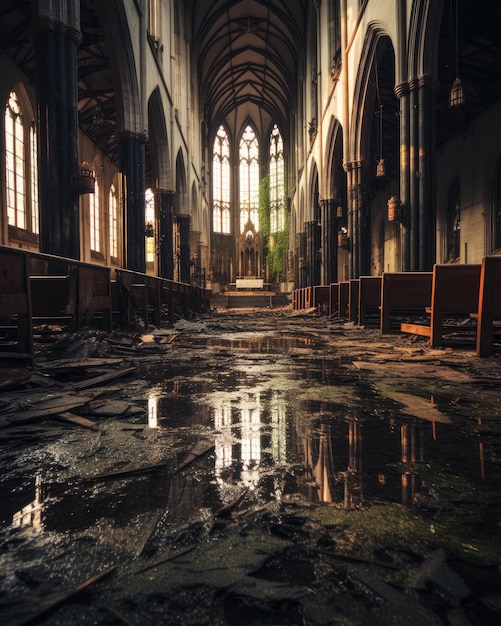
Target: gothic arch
(182, 206)
(363, 96)
(159, 143)
(114, 24)
(423, 41)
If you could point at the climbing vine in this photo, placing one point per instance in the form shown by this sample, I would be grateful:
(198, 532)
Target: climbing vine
(275, 245)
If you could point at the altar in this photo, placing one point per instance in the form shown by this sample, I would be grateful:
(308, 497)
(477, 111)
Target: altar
(249, 283)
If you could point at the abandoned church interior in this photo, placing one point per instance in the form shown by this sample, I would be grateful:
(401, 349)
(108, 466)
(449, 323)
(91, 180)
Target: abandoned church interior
(280, 218)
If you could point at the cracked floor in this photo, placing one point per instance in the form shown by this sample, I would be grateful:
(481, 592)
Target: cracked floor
(251, 467)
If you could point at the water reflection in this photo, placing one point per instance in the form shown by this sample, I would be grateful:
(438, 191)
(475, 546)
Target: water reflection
(272, 446)
(251, 438)
(31, 514)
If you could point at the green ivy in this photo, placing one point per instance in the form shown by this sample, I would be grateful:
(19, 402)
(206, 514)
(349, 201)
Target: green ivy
(276, 245)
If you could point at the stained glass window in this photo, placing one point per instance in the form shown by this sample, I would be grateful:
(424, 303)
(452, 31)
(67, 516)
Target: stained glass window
(249, 179)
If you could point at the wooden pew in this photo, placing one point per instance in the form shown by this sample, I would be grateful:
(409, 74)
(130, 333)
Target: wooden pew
(353, 300)
(69, 292)
(489, 304)
(343, 298)
(403, 293)
(455, 293)
(333, 299)
(369, 300)
(136, 293)
(16, 333)
(321, 298)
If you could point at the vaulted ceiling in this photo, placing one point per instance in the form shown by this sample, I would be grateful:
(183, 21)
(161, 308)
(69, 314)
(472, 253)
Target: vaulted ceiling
(249, 56)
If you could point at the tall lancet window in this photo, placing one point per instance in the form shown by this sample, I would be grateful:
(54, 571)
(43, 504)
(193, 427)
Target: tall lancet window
(221, 222)
(249, 180)
(277, 182)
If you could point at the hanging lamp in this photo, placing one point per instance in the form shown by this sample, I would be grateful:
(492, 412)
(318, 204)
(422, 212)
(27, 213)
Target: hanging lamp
(456, 95)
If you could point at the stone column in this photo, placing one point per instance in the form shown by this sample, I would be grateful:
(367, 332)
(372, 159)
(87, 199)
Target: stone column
(132, 166)
(183, 222)
(408, 153)
(165, 234)
(329, 241)
(358, 228)
(426, 174)
(56, 34)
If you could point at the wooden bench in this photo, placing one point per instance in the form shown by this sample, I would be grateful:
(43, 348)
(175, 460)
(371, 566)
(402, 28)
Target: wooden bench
(489, 304)
(454, 296)
(343, 299)
(333, 299)
(69, 292)
(321, 298)
(16, 334)
(403, 294)
(369, 300)
(137, 294)
(353, 300)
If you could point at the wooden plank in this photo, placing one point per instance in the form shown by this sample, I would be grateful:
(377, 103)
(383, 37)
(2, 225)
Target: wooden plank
(416, 329)
(77, 420)
(104, 378)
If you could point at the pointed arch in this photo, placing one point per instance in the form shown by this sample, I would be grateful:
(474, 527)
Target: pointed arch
(249, 177)
(221, 182)
(182, 207)
(159, 143)
(114, 23)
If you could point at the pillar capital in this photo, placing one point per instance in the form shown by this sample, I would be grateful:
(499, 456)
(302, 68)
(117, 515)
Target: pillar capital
(61, 16)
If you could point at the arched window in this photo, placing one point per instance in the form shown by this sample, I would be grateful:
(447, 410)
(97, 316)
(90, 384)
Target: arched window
(150, 226)
(21, 174)
(277, 182)
(221, 222)
(95, 219)
(249, 179)
(113, 214)
(335, 36)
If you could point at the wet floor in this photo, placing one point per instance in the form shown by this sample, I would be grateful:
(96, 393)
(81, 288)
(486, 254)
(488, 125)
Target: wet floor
(258, 468)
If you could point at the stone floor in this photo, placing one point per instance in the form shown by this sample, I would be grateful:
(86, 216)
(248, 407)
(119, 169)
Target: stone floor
(251, 467)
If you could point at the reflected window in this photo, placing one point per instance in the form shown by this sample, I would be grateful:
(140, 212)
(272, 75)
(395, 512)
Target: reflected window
(221, 183)
(249, 179)
(277, 181)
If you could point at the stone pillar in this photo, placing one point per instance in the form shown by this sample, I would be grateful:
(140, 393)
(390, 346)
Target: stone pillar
(56, 34)
(312, 253)
(408, 154)
(301, 260)
(329, 228)
(132, 166)
(183, 222)
(358, 227)
(426, 175)
(165, 234)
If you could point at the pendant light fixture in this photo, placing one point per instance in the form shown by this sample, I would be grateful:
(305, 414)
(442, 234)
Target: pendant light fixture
(456, 95)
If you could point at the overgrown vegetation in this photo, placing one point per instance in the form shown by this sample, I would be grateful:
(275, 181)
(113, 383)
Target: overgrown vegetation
(275, 245)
